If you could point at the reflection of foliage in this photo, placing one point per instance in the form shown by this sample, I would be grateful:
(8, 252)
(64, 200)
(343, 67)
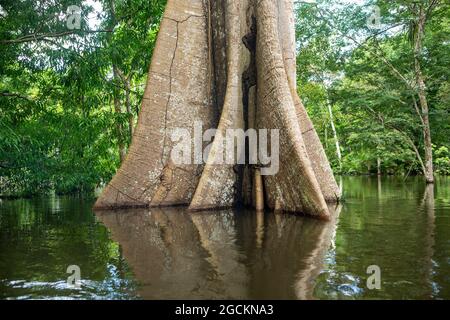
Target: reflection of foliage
(412, 260)
(41, 238)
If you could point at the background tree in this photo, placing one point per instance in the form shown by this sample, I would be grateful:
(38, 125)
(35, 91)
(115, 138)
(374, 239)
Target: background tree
(377, 71)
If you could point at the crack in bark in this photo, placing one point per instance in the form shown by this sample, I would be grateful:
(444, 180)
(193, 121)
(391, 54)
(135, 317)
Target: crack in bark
(170, 90)
(211, 71)
(306, 131)
(169, 99)
(184, 20)
(126, 195)
(166, 184)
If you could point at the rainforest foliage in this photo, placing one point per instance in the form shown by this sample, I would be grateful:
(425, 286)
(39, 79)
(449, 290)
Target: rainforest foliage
(69, 91)
(73, 72)
(359, 66)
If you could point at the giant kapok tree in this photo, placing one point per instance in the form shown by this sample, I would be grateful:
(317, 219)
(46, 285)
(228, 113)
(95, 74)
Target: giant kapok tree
(229, 64)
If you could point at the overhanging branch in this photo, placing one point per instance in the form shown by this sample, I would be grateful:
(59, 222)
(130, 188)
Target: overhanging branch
(15, 95)
(40, 37)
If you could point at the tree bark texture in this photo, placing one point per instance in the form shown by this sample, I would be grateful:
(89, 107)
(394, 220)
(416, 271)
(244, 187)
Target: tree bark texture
(229, 65)
(421, 87)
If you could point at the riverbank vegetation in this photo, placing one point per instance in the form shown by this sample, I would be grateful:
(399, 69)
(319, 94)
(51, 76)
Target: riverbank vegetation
(374, 76)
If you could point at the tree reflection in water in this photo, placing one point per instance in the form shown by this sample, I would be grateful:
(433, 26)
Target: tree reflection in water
(228, 254)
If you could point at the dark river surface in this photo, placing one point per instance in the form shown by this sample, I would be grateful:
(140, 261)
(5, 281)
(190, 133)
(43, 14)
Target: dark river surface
(401, 226)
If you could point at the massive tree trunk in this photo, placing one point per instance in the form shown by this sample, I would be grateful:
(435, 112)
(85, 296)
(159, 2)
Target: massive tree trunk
(229, 65)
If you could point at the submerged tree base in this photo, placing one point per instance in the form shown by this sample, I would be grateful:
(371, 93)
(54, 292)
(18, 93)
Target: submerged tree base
(229, 65)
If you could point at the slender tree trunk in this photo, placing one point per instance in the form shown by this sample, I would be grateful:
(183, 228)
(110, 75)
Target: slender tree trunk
(421, 87)
(118, 111)
(229, 65)
(128, 106)
(126, 80)
(336, 138)
(420, 82)
(379, 166)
